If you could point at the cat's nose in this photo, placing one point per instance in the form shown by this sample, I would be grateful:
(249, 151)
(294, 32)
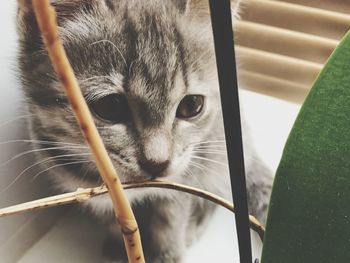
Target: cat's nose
(155, 169)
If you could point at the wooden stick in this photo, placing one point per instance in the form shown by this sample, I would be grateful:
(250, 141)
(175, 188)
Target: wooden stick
(47, 21)
(82, 195)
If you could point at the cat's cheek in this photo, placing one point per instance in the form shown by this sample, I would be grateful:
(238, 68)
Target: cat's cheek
(178, 166)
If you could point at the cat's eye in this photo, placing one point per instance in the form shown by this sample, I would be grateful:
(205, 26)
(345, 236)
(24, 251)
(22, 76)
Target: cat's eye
(113, 108)
(190, 106)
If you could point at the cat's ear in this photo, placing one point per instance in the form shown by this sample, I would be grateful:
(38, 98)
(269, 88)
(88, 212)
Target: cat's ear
(26, 21)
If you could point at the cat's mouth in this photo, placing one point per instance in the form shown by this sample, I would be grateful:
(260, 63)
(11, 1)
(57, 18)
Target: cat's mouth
(94, 178)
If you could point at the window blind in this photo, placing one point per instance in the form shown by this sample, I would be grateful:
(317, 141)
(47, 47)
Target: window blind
(282, 45)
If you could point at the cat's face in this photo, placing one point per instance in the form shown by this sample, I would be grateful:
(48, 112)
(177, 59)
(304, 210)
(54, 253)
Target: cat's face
(147, 71)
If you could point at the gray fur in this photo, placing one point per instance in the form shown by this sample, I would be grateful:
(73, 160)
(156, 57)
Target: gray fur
(154, 52)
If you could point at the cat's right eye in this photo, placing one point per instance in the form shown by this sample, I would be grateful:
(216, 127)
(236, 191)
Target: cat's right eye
(190, 106)
(112, 108)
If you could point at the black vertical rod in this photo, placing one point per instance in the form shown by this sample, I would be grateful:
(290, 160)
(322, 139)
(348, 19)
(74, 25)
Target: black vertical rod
(225, 58)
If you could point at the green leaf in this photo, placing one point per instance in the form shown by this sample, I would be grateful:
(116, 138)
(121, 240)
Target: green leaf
(309, 214)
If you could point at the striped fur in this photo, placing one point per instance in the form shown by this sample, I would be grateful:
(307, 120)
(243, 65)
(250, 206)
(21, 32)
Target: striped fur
(154, 53)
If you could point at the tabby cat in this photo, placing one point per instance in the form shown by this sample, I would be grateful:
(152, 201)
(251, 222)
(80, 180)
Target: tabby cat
(147, 70)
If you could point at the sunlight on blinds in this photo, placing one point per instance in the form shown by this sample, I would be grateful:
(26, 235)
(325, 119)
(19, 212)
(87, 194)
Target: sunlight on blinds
(282, 45)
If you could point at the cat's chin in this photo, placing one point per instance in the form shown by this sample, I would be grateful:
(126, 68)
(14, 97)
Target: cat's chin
(102, 205)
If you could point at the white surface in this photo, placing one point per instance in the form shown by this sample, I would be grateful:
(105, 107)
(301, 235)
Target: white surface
(74, 239)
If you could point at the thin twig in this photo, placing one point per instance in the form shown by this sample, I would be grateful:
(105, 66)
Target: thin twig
(82, 195)
(47, 21)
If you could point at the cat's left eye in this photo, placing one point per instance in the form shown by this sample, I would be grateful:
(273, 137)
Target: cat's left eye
(190, 106)
(113, 108)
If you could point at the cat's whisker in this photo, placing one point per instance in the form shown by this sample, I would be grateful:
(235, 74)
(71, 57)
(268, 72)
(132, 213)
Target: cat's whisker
(59, 165)
(40, 150)
(209, 160)
(84, 176)
(198, 166)
(211, 144)
(38, 163)
(204, 168)
(53, 158)
(212, 148)
(205, 171)
(186, 173)
(208, 142)
(42, 142)
(208, 147)
(15, 119)
(111, 43)
(189, 171)
(218, 150)
(210, 152)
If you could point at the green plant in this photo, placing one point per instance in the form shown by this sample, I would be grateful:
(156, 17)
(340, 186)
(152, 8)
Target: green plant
(309, 214)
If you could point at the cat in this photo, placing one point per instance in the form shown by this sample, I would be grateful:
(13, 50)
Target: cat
(147, 70)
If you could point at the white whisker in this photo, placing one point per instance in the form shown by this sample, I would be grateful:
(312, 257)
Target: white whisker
(41, 142)
(14, 119)
(204, 168)
(84, 176)
(59, 165)
(211, 146)
(194, 177)
(209, 160)
(220, 142)
(211, 152)
(40, 150)
(38, 163)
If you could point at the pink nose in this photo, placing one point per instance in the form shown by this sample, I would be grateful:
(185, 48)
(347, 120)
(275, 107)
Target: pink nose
(154, 168)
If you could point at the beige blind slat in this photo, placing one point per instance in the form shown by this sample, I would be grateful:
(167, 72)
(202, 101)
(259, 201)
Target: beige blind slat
(297, 17)
(271, 86)
(341, 6)
(284, 42)
(274, 65)
(282, 45)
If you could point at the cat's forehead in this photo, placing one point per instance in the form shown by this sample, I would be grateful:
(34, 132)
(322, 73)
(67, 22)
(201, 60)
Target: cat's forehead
(150, 49)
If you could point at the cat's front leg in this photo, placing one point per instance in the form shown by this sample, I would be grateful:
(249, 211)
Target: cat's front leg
(259, 185)
(114, 252)
(162, 226)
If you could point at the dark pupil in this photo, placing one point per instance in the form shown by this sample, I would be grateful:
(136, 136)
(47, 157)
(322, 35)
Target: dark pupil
(190, 106)
(112, 108)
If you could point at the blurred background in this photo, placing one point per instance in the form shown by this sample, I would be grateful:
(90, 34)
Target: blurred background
(281, 46)
(284, 44)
